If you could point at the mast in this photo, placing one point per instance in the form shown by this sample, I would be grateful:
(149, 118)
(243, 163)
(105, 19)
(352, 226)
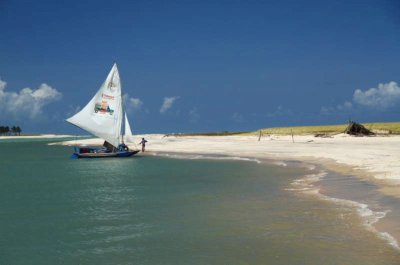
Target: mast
(104, 116)
(122, 130)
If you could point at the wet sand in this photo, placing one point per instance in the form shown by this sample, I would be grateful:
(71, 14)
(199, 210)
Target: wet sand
(379, 213)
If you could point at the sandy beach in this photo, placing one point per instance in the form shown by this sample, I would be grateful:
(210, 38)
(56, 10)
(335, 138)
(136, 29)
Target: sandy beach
(41, 136)
(376, 157)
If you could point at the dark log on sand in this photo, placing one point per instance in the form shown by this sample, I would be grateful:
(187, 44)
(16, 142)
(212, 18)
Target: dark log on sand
(357, 129)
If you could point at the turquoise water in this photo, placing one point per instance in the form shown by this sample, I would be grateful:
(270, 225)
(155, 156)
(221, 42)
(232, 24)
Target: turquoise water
(157, 210)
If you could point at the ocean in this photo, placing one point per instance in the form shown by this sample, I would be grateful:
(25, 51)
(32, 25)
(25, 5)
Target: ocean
(180, 210)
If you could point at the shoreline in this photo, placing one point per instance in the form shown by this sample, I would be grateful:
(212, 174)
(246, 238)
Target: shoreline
(41, 136)
(368, 157)
(310, 185)
(350, 191)
(371, 159)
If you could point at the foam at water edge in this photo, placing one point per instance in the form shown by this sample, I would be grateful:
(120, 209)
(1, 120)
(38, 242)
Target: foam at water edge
(306, 183)
(305, 186)
(369, 217)
(311, 167)
(191, 156)
(280, 163)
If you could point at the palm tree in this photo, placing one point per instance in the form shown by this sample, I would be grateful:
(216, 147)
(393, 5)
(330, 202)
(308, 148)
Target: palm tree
(5, 130)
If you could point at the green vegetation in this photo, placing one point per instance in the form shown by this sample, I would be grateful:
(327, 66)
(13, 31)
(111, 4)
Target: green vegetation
(224, 133)
(379, 128)
(5, 130)
(390, 127)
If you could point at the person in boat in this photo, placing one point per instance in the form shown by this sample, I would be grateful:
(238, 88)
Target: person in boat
(143, 143)
(123, 147)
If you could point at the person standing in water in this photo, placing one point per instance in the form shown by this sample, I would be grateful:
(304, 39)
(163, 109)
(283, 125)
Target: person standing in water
(143, 143)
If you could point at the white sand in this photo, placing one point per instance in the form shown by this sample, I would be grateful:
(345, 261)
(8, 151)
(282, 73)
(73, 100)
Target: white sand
(41, 136)
(378, 155)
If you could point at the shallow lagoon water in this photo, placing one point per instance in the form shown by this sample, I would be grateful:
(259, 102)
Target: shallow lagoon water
(158, 210)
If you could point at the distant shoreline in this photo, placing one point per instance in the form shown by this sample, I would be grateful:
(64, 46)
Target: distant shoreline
(375, 156)
(38, 136)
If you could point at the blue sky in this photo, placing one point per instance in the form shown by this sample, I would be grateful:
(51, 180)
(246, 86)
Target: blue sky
(201, 65)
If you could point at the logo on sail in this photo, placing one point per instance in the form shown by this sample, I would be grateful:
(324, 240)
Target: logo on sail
(103, 108)
(111, 86)
(107, 96)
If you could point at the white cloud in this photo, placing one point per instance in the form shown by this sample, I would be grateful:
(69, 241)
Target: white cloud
(27, 102)
(132, 103)
(345, 106)
(3, 85)
(341, 108)
(237, 117)
(72, 110)
(194, 115)
(136, 103)
(326, 110)
(167, 104)
(383, 97)
(280, 111)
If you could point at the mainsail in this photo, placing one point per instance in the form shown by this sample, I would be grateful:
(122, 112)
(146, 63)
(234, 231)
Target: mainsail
(104, 116)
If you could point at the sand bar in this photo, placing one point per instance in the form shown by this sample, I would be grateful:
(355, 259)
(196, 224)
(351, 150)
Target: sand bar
(379, 155)
(41, 136)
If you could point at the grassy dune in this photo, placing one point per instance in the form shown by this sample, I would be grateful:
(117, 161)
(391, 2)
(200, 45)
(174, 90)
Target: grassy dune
(225, 133)
(381, 127)
(378, 127)
(392, 127)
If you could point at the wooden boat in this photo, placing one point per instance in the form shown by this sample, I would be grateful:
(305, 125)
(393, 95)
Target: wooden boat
(105, 117)
(94, 153)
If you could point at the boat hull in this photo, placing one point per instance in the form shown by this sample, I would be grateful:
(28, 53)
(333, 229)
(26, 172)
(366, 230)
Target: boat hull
(105, 155)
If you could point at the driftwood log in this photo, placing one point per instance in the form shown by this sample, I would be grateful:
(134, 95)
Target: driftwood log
(357, 129)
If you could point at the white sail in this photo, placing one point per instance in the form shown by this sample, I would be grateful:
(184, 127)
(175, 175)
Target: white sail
(104, 115)
(128, 132)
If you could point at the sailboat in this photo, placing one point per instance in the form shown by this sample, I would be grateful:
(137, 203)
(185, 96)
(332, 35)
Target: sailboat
(105, 117)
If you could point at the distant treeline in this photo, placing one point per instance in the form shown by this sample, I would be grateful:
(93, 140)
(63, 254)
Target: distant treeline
(5, 130)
